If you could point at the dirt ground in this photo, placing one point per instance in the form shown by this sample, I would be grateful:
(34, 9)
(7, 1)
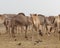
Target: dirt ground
(6, 41)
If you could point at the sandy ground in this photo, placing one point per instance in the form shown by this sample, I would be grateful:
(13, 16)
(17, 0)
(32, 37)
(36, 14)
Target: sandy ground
(6, 41)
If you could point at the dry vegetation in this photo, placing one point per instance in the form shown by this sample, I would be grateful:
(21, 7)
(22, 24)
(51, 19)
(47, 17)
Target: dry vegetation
(6, 41)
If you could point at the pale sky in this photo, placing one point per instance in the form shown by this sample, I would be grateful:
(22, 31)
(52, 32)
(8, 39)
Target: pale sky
(45, 7)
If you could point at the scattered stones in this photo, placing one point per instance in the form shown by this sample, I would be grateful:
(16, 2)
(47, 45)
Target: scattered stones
(37, 42)
(19, 43)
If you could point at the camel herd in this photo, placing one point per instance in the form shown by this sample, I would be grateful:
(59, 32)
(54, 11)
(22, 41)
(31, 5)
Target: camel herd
(40, 23)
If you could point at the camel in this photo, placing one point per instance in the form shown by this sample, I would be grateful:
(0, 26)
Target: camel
(50, 23)
(7, 22)
(43, 23)
(57, 22)
(20, 20)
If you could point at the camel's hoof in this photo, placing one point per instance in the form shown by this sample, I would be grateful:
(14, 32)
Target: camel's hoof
(40, 33)
(26, 37)
(15, 40)
(59, 32)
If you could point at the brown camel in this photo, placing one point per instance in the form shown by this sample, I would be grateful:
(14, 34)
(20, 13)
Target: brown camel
(20, 20)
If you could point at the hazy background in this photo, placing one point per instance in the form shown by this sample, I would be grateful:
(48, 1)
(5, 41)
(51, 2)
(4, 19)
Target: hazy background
(45, 7)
